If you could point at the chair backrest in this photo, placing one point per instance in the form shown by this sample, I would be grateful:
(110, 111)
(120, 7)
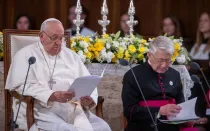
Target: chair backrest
(13, 41)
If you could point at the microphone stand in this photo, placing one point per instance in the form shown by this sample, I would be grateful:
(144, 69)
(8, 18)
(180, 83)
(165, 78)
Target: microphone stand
(197, 80)
(208, 109)
(13, 124)
(154, 121)
(205, 78)
(204, 94)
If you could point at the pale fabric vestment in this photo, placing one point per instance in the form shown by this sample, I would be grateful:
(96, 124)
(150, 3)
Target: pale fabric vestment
(84, 32)
(200, 55)
(52, 116)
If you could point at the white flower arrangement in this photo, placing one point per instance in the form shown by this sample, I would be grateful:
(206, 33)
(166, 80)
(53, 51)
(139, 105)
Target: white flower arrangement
(80, 46)
(111, 47)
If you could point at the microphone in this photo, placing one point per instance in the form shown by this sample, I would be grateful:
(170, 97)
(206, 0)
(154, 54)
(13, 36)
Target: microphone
(31, 61)
(124, 62)
(196, 66)
(195, 79)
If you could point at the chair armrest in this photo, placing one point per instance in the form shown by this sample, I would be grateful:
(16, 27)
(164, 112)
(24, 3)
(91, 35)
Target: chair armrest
(29, 109)
(99, 107)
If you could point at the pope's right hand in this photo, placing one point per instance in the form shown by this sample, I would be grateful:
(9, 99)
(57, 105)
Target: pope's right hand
(170, 110)
(62, 96)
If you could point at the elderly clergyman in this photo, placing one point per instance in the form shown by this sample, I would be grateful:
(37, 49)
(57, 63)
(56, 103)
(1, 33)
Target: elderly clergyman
(161, 86)
(49, 81)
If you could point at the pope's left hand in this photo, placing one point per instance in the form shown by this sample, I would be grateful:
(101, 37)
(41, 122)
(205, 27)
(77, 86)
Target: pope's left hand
(86, 101)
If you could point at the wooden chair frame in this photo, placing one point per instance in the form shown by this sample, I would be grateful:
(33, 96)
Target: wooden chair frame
(27, 99)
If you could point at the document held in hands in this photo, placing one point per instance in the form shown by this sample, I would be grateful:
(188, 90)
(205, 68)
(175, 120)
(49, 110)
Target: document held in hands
(84, 86)
(187, 113)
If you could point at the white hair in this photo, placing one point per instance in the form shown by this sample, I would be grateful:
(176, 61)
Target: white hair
(44, 24)
(163, 43)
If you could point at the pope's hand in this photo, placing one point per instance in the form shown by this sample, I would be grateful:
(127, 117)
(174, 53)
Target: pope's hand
(62, 96)
(170, 110)
(86, 101)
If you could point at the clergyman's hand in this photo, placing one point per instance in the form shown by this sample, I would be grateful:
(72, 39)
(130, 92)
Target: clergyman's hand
(62, 96)
(170, 110)
(201, 121)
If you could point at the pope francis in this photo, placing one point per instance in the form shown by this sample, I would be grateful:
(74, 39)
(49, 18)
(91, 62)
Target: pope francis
(48, 82)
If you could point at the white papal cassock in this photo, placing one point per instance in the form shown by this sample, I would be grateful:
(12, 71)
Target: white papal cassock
(51, 116)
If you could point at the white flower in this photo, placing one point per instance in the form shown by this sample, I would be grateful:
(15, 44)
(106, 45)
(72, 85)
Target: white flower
(82, 56)
(91, 39)
(103, 51)
(73, 44)
(99, 58)
(176, 40)
(85, 50)
(120, 38)
(122, 43)
(109, 56)
(179, 41)
(108, 45)
(86, 45)
(126, 39)
(83, 44)
(147, 44)
(116, 43)
(103, 55)
(80, 52)
(181, 59)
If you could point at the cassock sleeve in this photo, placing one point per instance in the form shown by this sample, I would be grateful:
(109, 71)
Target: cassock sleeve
(130, 97)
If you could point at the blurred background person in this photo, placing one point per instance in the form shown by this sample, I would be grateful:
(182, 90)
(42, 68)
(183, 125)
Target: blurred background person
(22, 22)
(201, 49)
(84, 31)
(171, 26)
(124, 28)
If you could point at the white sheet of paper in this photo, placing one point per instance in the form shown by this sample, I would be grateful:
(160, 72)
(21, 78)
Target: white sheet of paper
(84, 86)
(187, 113)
